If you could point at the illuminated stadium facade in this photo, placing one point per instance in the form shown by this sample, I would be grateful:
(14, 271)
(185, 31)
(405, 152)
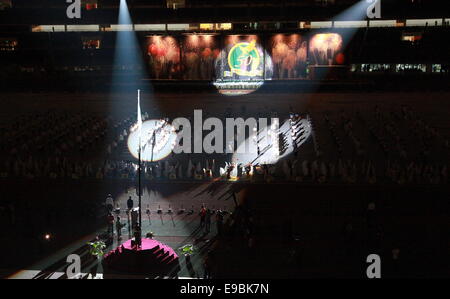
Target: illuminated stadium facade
(191, 41)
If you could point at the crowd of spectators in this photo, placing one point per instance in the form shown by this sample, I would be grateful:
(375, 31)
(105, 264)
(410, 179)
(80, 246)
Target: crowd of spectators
(377, 146)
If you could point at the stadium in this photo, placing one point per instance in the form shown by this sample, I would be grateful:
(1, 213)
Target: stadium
(257, 139)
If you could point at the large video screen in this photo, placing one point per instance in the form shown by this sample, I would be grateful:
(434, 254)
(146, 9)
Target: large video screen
(242, 65)
(198, 56)
(242, 58)
(164, 57)
(326, 49)
(289, 56)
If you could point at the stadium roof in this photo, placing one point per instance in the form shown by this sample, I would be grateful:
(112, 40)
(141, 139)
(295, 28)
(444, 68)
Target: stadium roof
(31, 12)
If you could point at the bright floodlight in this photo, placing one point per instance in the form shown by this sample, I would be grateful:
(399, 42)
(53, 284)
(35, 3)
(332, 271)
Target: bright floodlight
(357, 12)
(127, 46)
(128, 62)
(158, 140)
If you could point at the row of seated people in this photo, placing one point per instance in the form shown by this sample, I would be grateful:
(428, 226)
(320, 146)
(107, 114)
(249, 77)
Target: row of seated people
(295, 170)
(53, 133)
(386, 130)
(395, 134)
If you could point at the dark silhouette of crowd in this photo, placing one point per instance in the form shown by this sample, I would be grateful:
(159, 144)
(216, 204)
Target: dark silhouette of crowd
(365, 147)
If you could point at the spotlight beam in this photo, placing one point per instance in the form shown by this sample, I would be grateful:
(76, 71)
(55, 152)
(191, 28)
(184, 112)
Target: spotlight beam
(357, 12)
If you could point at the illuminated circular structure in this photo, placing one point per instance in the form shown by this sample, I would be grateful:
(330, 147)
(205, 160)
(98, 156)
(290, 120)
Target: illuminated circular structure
(242, 66)
(244, 60)
(158, 138)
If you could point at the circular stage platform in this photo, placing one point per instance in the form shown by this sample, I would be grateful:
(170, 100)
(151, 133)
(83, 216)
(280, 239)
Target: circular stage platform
(151, 260)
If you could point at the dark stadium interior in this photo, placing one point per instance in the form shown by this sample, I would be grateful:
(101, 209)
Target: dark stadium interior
(370, 177)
